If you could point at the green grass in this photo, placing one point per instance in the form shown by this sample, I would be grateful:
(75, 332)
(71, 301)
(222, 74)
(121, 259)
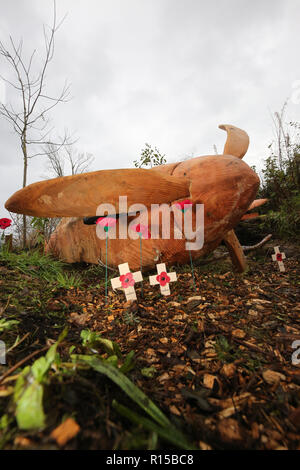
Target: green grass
(7, 324)
(33, 263)
(66, 280)
(225, 351)
(41, 266)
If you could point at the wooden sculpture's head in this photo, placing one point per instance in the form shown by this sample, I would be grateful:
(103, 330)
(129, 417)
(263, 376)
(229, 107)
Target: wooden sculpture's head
(223, 183)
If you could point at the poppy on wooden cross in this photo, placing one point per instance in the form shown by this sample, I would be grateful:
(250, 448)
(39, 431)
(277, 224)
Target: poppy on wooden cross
(163, 279)
(278, 256)
(126, 281)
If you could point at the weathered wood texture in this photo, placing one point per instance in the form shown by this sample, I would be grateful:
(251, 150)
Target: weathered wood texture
(223, 183)
(8, 242)
(77, 195)
(235, 250)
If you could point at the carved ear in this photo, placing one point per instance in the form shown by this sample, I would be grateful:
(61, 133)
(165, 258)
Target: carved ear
(237, 142)
(80, 195)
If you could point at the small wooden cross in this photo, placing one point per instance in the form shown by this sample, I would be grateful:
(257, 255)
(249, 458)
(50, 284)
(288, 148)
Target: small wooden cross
(163, 279)
(279, 257)
(126, 281)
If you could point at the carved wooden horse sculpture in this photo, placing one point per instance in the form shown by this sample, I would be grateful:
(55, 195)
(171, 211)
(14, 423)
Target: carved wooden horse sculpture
(223, 183)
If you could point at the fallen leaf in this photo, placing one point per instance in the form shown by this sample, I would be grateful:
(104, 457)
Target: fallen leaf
(175, 410)
(209, 381)
(272, 377)
(238, 333)
(22, 441)
(229, 430)
(196, 297)
(163, 377)
(163, 340)
(65, 432)
(228, 370)
(253, 313)
(204, 446)
(79, 319)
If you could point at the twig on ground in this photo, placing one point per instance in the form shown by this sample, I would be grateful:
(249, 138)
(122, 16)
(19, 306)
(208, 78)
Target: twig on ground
(225, 255)
(108, 267)
(18, 343)
(20, 363)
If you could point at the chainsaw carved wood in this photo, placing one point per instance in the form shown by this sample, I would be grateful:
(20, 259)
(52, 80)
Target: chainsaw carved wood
(225, 184)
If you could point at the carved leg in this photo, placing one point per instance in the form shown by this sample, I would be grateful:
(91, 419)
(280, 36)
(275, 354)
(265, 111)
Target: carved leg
(236, 251)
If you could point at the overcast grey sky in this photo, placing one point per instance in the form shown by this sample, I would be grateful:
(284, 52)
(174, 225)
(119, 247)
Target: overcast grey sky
(166, 72)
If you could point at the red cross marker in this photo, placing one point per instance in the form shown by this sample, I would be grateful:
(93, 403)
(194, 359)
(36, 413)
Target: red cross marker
(163, 279)
(279, 257)
(126, 281)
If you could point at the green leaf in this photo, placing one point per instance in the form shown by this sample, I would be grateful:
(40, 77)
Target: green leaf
(28, 393)
(168, 433)
(128, 363)
(20, 383)
(7, 324)
(92, 339)
(29, 412)
(126, 385)
(113, 360)
(4, 422)
(148, 371)
(110, 346)
(40, 368)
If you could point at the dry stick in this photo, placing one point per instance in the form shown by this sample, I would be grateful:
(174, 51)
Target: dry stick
(258, 245)
(245, 248)
(18, 343)
(108, 267)
(20, 363)
(7, 303)
(251, 346)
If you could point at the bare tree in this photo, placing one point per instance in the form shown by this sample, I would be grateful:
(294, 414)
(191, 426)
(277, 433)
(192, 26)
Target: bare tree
(55, 161)
(79, 161)
(283, 139)
(17, 228)
(58, 158)
(63, 161)
(30, 117)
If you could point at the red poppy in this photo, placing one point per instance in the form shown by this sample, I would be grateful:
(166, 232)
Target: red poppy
(142, 230)
(163, 278)
(5, 223)
(106, 222)
(182, 204)
(279, 256)
(127, 280)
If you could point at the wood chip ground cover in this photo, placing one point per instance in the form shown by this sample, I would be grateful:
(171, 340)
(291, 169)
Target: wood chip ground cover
(217, 361)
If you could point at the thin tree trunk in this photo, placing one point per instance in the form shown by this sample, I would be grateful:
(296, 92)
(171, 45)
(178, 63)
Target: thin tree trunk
(33, 107)
(25, 167)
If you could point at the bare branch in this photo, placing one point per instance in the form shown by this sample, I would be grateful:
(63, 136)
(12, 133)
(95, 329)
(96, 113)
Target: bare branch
(29, 119)
(10, 83)
(57, 157)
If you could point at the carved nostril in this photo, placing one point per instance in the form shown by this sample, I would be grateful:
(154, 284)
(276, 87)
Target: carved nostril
(90, 220)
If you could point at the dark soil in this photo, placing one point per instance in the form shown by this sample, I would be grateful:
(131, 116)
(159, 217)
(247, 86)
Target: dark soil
(218, 359)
